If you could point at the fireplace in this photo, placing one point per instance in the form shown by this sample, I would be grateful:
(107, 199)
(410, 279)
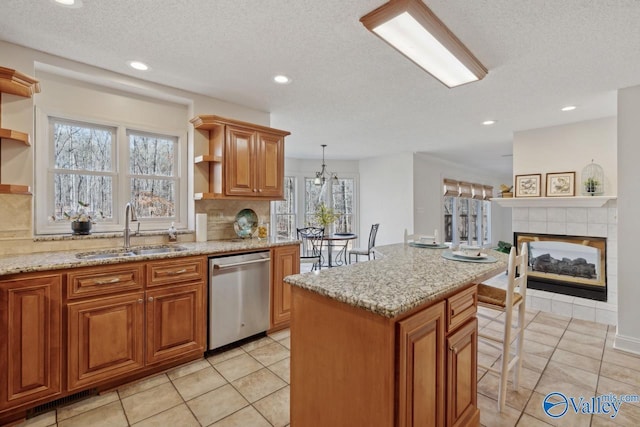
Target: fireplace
(570, 265)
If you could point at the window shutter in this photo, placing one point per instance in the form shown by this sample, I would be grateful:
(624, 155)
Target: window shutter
(488, 192)
(476, 190)
(451, 187)
(465, 189)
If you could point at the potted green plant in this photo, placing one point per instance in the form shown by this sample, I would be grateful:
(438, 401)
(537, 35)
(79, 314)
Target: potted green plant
(325, 216)
(591, 185)
(81, 218)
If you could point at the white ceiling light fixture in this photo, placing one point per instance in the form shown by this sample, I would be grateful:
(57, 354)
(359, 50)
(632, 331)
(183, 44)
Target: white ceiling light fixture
(568, 108)
(321, 177)
(282, 79)
(411, 27)
(74, 4)
(489, 122)
(137, 65)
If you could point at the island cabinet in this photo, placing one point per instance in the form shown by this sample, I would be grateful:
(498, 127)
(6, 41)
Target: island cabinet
(121, 321)
(352, 367)
(285, 261)
(242, 160)
(31, 343)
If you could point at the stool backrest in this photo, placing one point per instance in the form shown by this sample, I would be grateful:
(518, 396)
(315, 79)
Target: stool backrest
(518, 270)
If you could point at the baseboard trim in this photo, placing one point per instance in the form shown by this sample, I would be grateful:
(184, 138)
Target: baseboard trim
(628, 344)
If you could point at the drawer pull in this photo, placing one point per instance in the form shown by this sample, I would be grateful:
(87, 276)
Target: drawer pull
(176, 272)
(108, 281)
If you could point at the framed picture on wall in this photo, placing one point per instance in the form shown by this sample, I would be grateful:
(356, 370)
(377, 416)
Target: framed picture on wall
(528, 185)
(561, 184)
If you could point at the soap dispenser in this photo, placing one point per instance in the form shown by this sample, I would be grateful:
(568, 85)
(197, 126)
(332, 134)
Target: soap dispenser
(173, 233)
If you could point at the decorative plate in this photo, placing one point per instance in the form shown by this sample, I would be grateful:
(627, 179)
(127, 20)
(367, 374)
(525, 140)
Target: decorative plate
(461, 254)
(246, 223)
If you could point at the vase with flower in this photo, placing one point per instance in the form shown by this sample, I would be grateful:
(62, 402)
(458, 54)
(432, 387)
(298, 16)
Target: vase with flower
(81, 218)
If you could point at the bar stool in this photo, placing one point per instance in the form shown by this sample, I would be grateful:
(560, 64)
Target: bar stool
(507, 301)
(409, 237)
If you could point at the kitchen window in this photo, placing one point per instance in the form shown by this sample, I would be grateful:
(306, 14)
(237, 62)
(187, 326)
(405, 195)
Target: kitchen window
(105, 166)
(284, 212)
(339, 194)
(467, 215)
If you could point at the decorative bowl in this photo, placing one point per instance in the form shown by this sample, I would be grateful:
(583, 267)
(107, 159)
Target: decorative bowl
(246, 223)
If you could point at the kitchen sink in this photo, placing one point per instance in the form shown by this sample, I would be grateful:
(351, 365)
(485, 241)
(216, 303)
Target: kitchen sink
(120, 253)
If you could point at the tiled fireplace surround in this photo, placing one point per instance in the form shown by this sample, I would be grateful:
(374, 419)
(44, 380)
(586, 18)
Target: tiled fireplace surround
(576, 221)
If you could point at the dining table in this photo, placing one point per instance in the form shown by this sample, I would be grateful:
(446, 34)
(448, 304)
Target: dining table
(335, 240)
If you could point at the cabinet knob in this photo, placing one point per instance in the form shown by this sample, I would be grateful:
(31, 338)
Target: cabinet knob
(150, 299)
(255, 191)
(140, 301)
(260, 190)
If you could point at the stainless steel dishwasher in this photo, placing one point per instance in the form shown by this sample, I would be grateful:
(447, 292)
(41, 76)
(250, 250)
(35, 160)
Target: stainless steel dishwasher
(238, 297)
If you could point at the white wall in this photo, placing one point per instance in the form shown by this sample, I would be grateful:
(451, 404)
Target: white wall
(628, 334)
(386, 197)
(569, 148)
(428, 200)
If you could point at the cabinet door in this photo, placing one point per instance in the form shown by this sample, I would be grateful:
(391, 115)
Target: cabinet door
(462, 352)
(422, 368)
(105, 338)
(30, 321)
(239, 162)
(270, 165)
(285, 261)
(175, 322)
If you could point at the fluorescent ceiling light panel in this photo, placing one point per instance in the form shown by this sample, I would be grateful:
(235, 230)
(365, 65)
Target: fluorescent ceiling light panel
(411, 28)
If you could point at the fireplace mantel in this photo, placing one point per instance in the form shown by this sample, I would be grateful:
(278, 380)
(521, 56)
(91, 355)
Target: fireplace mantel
(554, 202)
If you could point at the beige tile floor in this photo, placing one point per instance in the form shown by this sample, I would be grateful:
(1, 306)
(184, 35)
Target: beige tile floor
(249, 386)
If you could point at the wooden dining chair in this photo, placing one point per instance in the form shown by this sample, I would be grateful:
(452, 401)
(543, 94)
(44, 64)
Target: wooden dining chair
(311, 245)
(370, 247)
(509, 300)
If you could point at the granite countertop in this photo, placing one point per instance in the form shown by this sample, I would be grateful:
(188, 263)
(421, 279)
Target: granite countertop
(404, 278)
(43, 261)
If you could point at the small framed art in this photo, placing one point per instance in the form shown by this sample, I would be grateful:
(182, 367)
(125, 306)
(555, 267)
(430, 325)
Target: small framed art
(528, 185)
(561, 184)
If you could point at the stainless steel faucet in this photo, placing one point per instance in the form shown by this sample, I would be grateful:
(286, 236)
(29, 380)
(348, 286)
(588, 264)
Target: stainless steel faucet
(129, 212)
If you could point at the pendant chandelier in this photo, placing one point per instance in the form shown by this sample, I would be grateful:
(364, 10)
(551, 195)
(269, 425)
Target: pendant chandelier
(321, 177)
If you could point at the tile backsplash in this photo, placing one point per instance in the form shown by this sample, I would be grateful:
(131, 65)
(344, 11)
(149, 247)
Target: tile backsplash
(221, 215)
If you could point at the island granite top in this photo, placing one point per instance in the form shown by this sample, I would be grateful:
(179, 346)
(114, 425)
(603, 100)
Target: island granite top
(402, 279)
(43, 261)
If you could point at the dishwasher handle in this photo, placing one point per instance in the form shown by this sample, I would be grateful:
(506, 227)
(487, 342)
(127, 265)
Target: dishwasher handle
(237, 264)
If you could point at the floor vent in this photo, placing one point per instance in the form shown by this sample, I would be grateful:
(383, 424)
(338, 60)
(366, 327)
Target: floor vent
(46, 407)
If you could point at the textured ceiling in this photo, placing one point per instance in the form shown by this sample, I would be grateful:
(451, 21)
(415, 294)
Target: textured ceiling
(350, 90)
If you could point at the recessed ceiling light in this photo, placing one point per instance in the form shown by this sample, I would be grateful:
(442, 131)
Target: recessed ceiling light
(282, 79)
(141, 66)
(68, 3)
(568, 108)
(489, 122)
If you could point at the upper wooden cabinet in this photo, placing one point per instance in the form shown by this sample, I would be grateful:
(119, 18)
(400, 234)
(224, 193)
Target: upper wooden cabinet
(15, 83)
(244, 160)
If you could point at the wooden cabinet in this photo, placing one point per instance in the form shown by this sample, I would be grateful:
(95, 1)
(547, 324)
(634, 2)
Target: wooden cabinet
(30, 347)
(19, 84)
(175, 322)
(106, 338)
(153, 318)
(244, 160)
(421, 361)
(285, 261)
(418, 369)
(462, 365)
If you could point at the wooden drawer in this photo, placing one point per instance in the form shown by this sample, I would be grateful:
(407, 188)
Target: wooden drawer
(461, 307)
(176, 270)
(104, 280)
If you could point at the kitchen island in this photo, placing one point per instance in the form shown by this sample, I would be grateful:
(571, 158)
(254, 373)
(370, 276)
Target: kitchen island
(390, 342)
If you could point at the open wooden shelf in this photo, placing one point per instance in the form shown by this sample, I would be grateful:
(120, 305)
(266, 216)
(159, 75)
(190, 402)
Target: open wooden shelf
(17, 83)
(208, 196)
(14, 189)
(207, 159)
(15, 135)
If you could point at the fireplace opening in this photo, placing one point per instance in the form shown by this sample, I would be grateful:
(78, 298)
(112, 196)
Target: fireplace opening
(570, 265)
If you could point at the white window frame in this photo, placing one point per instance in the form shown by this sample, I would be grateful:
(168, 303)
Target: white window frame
(43, 199)
(328, 199)
(274, 214)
